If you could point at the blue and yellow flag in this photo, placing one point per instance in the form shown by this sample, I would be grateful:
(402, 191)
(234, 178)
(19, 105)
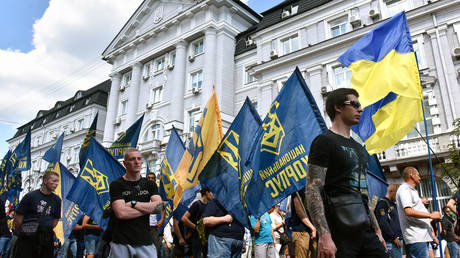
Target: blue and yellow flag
(91, 188)
(376, 182)
(168, 183)
(3, 169)
(226, 174)
(128, 139)
(20, 158)
(85, 145)
(14, 187)
(385, 74)
(280, 153)
(206, 138)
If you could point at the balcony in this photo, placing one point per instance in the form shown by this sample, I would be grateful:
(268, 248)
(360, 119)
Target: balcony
(152, 145)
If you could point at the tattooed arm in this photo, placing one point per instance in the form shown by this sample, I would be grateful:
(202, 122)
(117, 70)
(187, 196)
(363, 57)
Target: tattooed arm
(315, 182)
(376, 227)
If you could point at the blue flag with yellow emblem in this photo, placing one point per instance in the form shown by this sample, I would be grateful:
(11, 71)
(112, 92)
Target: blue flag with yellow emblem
(128, 139)
(168, 184)
(19, 159)
(280, 153)
(385, 74)
(226, 173)
(85, 145)
(91, 188)
(3, 173)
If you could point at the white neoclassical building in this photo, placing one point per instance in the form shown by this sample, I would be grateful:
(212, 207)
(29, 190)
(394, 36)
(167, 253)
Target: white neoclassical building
(169, 54)
(72, 117)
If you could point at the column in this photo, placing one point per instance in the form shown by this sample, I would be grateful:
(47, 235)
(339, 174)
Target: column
(265, 98)
(133, 96)
(315, 84)
(209, 70)
(178, 86)
(112, 108)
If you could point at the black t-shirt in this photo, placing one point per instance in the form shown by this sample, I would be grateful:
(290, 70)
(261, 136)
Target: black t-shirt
(95, 232)
(35, 204)
(196, 212)
(456, 198)
(4, 230)
(78, 234)
(232, 230)
(295, 224)
(136, 231)
(344, 159)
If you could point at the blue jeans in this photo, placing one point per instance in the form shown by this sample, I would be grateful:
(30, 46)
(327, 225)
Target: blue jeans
(454, 250)
(91, 243)
(418, 250)
(222, 247)
(4, 245)
(394, 251)
(72, 243)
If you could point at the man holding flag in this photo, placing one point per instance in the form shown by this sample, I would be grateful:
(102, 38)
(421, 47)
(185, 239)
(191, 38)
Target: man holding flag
(337, 169)
(133, 199)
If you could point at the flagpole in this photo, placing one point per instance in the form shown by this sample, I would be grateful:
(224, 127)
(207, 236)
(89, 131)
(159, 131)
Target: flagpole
(433, 186)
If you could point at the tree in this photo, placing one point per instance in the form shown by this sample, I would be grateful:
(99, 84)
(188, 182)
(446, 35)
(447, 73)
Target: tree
(452, 162)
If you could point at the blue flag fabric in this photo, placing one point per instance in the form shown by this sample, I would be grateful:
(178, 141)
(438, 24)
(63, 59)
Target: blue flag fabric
(376, 182)
(226, 174)
(3, 168)
(85, 145)
(168, 183)
(14, 187)
(281, 149)
(91, 188)
(71, 213)
(20, 158)
(128, 139)
(53, 154)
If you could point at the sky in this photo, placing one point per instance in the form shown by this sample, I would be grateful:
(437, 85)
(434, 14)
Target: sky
(49, 49)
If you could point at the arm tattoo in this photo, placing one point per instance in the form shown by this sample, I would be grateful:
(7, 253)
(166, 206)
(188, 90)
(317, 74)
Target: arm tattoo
(315, 182)
(374, 222)
(158, 208)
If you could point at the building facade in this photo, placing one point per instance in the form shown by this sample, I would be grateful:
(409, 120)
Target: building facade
(72, 117)
(169, 54)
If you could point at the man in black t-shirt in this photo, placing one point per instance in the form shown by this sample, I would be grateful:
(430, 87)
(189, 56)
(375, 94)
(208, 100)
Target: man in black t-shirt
(225, 234)
(45, 207)
(133, 199)
(303, 232)
(191, 219)
(337, 168)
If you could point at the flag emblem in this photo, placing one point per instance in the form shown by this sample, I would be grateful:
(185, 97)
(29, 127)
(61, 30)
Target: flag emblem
(229, 150)
(95, 178)
(274, 132)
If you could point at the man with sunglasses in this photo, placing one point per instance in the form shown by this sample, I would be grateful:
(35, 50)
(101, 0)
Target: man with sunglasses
(336, 185)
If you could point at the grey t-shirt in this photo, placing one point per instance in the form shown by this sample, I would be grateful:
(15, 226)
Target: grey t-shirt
(415, 230)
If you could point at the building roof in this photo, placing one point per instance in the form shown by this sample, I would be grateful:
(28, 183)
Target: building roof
(95, 95)
(271, 17)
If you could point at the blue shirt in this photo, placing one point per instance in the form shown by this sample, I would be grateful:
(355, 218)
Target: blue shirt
(265, 232)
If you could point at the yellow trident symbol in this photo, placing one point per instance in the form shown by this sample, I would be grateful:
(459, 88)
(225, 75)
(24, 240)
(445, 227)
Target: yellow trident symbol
(274, 132)
(229, 150)
(95, 178)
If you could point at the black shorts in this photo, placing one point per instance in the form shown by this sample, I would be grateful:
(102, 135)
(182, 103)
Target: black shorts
(364, 245)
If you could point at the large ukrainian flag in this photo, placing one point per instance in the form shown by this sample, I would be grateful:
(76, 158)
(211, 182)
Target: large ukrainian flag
(385, 74)
(206, 138)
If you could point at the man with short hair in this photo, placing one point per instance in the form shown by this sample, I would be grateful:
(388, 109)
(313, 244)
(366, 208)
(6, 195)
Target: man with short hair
(337, 167)
(133, 199)
(41, 206)
(303, 232)
(386, 213)
(155, 220)
(413, 215)
(447, 223)
(191, 219)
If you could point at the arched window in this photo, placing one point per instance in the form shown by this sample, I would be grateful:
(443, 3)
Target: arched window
(155, 132)
(443, 192)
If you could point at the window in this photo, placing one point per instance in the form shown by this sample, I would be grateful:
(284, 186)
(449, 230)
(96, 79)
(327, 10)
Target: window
(339, 26)
(80, 124)
(442, 190)
(197, 79)
(249, 78)
(154, 133)
(76, 154)
(397, 7)
(172, 58)
(342, 77)
(160, 64)
(193, 119)
(197, 47)
(123, 107)
(147, 68)
(290, 44)
(72, 108)
(126, 79)
(79, 94)
(156, 94)
(419, 54)
(421, 125)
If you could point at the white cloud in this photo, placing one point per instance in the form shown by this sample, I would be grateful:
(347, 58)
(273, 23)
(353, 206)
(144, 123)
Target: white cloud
(68, 41)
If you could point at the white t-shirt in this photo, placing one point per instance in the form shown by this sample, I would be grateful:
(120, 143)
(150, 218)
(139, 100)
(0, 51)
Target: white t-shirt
(276, 220)
(415, 230)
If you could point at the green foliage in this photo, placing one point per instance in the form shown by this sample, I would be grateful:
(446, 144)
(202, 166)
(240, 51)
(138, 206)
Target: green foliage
(452, 163)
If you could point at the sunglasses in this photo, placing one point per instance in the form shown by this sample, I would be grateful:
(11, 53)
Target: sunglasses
(352, 103)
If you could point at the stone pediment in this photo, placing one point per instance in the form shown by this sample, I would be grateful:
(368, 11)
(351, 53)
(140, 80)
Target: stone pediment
(150, 15)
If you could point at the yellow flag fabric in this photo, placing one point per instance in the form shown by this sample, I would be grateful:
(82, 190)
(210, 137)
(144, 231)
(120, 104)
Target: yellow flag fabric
(206, 138)
(58, 230)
